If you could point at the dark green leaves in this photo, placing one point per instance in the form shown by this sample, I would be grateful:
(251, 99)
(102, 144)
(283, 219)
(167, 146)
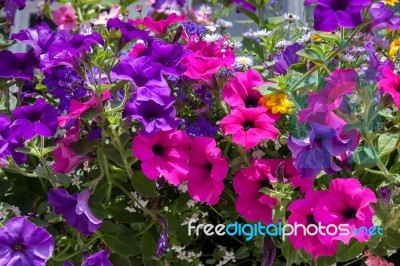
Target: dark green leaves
(119, 238)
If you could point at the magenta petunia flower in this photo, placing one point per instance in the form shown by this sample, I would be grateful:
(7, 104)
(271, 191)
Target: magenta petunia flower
(249, 126)
(66, 159)
(100, 258)
(65, 17)
(75, 209)
(165, 153)
(251, 203)
(24, 243)
(347, 203)
(207, 171)
(241, 90)
(302, 214)
(329, 14)
(158, 26)
(390, 84)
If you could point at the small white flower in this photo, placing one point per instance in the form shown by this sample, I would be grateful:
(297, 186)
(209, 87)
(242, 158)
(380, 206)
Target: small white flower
(249, 34)
(76, 181)
(258, 154)
(305, 38)
(237, 45)
(348, 58)
(277, 144)
(183, 187)
(191, 203)
(130, 209)
(283, 44)
(214, 37)
(290, 17)
(3, 214)
(192, 219)
(16, 210)
(262, 33)
(242, 61)
(224, 23)
(204, 10)
(212, 28)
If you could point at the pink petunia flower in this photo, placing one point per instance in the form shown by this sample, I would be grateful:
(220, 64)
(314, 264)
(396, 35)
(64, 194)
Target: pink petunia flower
(346, 203)
(390, 84)
(158, 26)
(65, 17)
(373, 260)
(66, 159)
(206, 59)
(241, 89)
(165, 153)
(104, 16)
(302, 214)
(207, 171)
(249, 126)
(251, 203)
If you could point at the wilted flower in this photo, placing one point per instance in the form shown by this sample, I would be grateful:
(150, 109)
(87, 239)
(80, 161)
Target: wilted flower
(75, 209)
(23, 243)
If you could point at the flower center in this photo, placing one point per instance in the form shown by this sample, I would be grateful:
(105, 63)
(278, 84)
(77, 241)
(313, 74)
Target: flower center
(310, 219)
(158, 149)
(18, 247)
(250, 102)
(209, 166)
(266, 183)
(247, 124)
(349, 213)
(340, 5)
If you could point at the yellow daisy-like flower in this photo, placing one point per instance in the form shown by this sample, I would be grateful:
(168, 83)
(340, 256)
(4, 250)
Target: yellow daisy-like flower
(394, 48)
(390, 2)
(277, 102)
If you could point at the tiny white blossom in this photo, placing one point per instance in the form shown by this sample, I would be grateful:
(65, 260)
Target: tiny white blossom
(191, 203)
(283, 44)
(214, 37)
(16, 210)
(130, 209)
(242, 61)
(183, 187)
(237, 45)
(3, 214)
(192, 219)
(277, 144)
(258, 154)
(305, 38)
(204, 10)
(224, 23)
(262, 33)
(290, 17)
(212, 28)
(76, 181)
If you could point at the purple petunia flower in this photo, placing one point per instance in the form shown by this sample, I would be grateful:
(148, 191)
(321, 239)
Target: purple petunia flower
(168, 55)
(202, 127)
(24, 243)
(153, 116)
(244, 4)
(286, 58)
(11, 6)
(75, 209)
(319, 150)
(41, 37)
(382, 17)
(128, 31)
(37, 119)
(100, 258)
(269, 251)
(18, 65)
(11, 138)
(386, 195)
(329, 14)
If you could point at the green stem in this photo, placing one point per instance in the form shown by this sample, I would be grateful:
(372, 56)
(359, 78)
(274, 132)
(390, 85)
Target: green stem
(117, 142)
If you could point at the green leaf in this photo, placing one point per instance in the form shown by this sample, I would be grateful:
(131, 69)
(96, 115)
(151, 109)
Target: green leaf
(242, 253)
(84, 146)
(311, 55)
(350, 251)
(91, 113)
(395, 169)
(249, 14)
(289, 252)
(147, 245)
(119, 238)
(269, 88)
(325, 261)
(387, 141)
(143, 185)
(392, 238)
(27, 150)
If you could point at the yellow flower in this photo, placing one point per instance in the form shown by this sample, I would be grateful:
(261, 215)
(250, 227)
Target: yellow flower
(390, 2)
(277, 102)
(394, 48)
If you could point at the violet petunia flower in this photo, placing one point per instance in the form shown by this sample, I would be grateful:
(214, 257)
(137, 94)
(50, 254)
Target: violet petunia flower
(374, 71)
(18, 65)
(153, 116)
(201, 127)
(319, 150)
(330, 14)
(269, 251)
(286, 58)
(24, 243)
(385, 193)
(11, 6)
(100, 258)
(162, 244)
(11, 138)
(128, 31)
(75, 209)
(245, 5)
(40, 118)
(382, 17)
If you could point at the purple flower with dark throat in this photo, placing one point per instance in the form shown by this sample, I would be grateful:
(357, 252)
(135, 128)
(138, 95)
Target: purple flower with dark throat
(319, 150)
(128, 31)
(286, 58)
(24, 243)
(100, 258)
(75, 209)
(18, 65)
(330, 14)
